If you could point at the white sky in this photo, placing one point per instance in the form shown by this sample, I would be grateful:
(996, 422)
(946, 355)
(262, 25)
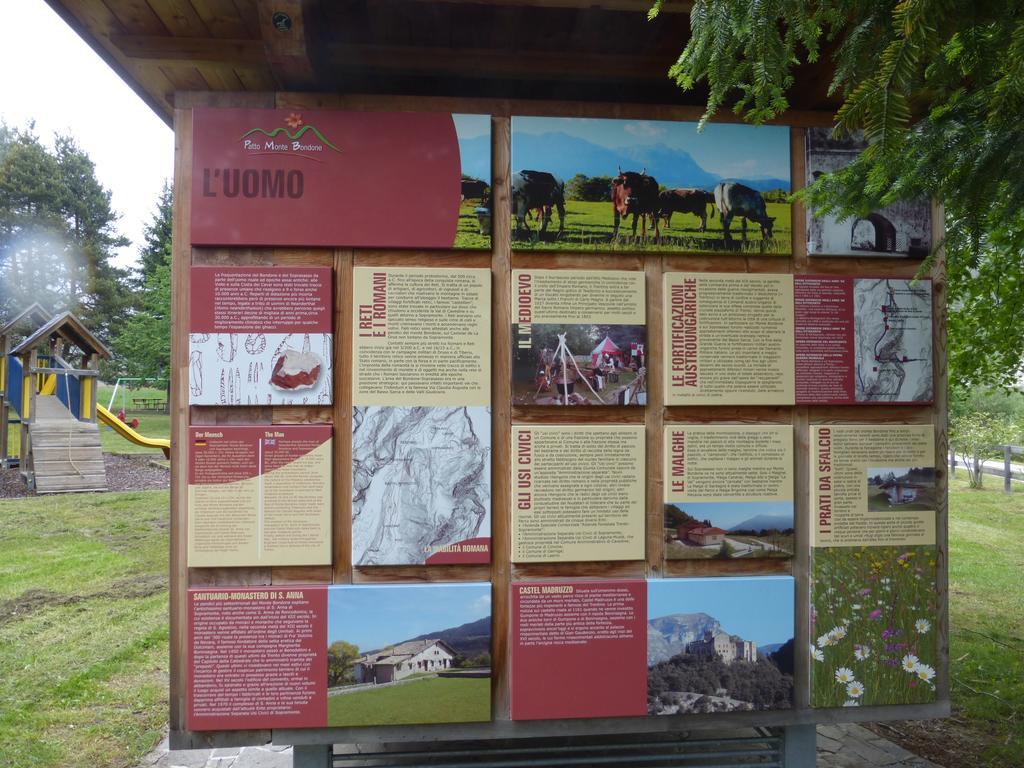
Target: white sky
(49, 74)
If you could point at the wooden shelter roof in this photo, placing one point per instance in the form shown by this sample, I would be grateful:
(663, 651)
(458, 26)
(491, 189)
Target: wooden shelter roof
(34, 313)
(69, 328)
(563, 50)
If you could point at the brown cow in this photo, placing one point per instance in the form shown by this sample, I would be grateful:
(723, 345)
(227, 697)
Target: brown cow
(695, 201)
(637, 194)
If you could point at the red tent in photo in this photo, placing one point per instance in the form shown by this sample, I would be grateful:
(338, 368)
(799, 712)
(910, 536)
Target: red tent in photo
(606, 347)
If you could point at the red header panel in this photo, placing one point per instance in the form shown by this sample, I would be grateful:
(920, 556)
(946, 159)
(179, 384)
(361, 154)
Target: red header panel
(863, 340)
(260, 299)
(256, 658)
(219, 454)
(579, 649)
(360, 179)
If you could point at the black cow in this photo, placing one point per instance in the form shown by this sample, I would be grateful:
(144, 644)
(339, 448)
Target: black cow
(473, 189)
(734, 199)
(695, 201)
(637, 194)
(537, 190)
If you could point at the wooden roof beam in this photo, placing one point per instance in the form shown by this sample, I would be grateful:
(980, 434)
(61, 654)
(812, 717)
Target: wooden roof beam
(283, 27)
(638, 6)
(485, 63)
(161, 50)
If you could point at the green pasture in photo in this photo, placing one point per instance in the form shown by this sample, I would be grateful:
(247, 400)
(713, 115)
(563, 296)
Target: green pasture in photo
(433, 700)
(468, 233)
(878, 501)
(589, 226)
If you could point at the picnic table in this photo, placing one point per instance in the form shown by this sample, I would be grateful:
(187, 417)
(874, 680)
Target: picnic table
(149, 404)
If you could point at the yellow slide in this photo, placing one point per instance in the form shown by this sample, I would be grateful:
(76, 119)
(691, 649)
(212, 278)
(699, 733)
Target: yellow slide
(130, 434)
(49, 385)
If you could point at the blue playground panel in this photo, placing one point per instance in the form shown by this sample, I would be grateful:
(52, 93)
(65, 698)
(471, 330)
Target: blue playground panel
(14, 383)
(74, 388)
(14, 387)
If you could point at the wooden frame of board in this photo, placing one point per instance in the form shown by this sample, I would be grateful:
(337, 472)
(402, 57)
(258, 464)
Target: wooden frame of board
(654, 416)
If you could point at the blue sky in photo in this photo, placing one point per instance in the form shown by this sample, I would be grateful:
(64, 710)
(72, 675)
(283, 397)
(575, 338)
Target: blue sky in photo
(476, 155)
(755, 608)
(726, 514)
(726, 149)
(373, 616)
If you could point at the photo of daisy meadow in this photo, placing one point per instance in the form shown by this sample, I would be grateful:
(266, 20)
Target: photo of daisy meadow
(873, 626)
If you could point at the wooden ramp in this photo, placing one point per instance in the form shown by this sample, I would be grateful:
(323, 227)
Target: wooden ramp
(64, 453)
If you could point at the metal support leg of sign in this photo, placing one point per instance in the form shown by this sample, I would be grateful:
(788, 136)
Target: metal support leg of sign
(792, 747)
(312, 756)
(800, 746)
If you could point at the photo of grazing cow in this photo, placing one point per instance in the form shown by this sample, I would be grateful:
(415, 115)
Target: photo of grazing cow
(695, 201)
(635, 194)
(538, 191)
(474, 189)
(734, 199)
(651, 170)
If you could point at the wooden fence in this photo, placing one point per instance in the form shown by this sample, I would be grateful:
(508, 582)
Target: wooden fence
(1008, 473)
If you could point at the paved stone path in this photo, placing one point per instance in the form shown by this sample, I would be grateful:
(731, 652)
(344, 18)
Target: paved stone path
(839, 746)
(854, 746)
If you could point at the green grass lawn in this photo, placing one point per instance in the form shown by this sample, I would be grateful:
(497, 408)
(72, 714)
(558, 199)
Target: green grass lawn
(986, 585)
(435, 700)
(589, 226)
(83, 629)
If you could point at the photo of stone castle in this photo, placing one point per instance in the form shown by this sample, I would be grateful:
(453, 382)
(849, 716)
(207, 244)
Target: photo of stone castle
(720, 644)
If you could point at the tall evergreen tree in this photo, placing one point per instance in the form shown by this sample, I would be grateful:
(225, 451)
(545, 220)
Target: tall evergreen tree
(937, 87)
(156, 236)
(58, 233)
(144, 344)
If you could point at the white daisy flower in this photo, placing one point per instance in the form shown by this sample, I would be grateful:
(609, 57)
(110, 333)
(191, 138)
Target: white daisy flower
(825, 640)
(856, 606)
(910, 663)
(844, 675)
(817, 654)
(854, 690)
(924, 672)
(851, 703)
(922, 626)
(861, 653)
(838, 633)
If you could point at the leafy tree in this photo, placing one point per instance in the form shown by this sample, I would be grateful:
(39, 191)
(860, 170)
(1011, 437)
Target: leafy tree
(57, 233)
(341, 658)
(937, 87)
(144, 343)
(480, 660)
(972, 435)
(591, 189)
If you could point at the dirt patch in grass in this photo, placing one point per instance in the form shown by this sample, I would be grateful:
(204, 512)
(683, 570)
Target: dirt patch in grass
(950, 742)
(124, 473)
(32, 600)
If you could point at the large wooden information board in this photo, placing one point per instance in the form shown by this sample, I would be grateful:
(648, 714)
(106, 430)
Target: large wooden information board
(558, 473)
